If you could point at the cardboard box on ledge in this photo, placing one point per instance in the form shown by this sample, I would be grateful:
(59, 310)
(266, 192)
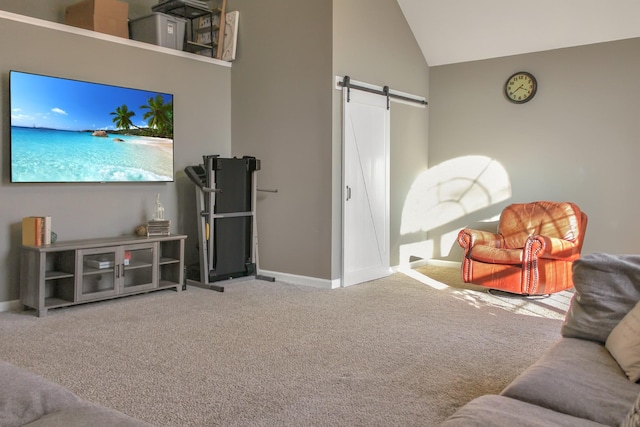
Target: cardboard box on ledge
(104, 16)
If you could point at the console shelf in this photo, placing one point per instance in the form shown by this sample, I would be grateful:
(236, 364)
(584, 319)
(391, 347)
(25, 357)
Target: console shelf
(74, 272)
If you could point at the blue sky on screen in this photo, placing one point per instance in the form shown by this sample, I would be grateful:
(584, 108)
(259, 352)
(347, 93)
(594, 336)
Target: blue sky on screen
(56, 103)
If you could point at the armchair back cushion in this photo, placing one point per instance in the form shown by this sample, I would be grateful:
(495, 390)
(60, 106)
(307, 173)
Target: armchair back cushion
(520, 221)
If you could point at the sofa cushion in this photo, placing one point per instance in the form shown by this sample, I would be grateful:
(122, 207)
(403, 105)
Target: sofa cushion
(87, 414)
(606, 289)
(25, 397)
(500, 411)
(624, 343)
(579, 378)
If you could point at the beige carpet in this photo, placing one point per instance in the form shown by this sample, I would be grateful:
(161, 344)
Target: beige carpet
(392, 352)
(553, 306)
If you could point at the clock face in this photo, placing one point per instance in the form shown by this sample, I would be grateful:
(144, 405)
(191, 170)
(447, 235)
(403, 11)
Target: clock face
(520, 87)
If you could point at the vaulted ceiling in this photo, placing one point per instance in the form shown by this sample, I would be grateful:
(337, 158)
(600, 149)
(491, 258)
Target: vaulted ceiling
(452, 31)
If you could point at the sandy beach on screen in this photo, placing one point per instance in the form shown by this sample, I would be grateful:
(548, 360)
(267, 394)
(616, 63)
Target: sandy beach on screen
(165, 144)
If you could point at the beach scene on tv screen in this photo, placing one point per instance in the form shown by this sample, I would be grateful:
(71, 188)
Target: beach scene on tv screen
(66, 130)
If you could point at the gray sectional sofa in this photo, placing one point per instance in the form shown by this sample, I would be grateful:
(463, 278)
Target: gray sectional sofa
(579, 381)
(27, 399)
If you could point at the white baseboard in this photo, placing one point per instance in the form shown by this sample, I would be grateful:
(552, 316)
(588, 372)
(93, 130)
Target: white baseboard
(333, 284)
(10, 305)
(443, 263)
(302, 280)
(412, 264)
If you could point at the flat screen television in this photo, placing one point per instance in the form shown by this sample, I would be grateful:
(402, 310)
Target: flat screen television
(65, 130)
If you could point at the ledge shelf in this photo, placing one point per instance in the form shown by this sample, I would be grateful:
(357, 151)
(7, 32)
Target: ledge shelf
(101, 36)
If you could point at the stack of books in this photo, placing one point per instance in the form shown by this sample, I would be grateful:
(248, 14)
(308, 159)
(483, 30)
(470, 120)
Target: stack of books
(158, 227)
(36, 230)
(99, 263)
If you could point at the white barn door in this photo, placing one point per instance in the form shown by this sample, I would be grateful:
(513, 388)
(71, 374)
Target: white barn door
(365, 201)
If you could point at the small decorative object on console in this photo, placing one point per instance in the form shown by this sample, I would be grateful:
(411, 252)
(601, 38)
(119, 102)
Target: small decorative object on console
(36, 230)
(141, 230)
(158, 226)
(159, 209)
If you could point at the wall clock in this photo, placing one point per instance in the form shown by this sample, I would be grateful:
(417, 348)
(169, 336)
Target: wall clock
(520, 87)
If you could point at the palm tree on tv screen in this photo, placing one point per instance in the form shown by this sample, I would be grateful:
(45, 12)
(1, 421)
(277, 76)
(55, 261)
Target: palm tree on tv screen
(122, 118)
(159, 116)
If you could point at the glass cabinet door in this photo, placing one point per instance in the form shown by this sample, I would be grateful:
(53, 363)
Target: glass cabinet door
(138, 267)
(98, 273)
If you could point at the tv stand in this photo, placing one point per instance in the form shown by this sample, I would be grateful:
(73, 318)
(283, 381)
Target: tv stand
(63, 274)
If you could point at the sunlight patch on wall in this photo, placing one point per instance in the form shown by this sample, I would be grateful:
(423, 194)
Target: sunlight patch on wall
(447, 241)
(453, 189)
(423, 249)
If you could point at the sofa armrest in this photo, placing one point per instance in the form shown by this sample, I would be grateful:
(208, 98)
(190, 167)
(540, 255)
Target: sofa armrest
(26, 397)
(87, 414)
(29, 399)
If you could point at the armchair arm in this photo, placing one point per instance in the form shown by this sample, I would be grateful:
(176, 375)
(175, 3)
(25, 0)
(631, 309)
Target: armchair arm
(543, 247)
(551, 248)
(467, 238)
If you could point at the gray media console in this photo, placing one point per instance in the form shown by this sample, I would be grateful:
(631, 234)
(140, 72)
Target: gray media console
(74, 272)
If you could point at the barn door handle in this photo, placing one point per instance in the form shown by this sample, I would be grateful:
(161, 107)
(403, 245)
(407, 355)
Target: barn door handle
(348, 193)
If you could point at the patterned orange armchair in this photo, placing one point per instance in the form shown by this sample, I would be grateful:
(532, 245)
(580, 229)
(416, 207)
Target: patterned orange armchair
(532, 252)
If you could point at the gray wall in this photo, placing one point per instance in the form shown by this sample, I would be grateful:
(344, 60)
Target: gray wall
(281, 114)
(577, 140)
(202, 103)
(373, 43)
(286, 112)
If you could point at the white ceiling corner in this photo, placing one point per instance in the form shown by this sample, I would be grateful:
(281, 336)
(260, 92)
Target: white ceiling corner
(453, 31)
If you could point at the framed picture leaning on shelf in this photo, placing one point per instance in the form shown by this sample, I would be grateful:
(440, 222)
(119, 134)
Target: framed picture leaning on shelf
(230, 39)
